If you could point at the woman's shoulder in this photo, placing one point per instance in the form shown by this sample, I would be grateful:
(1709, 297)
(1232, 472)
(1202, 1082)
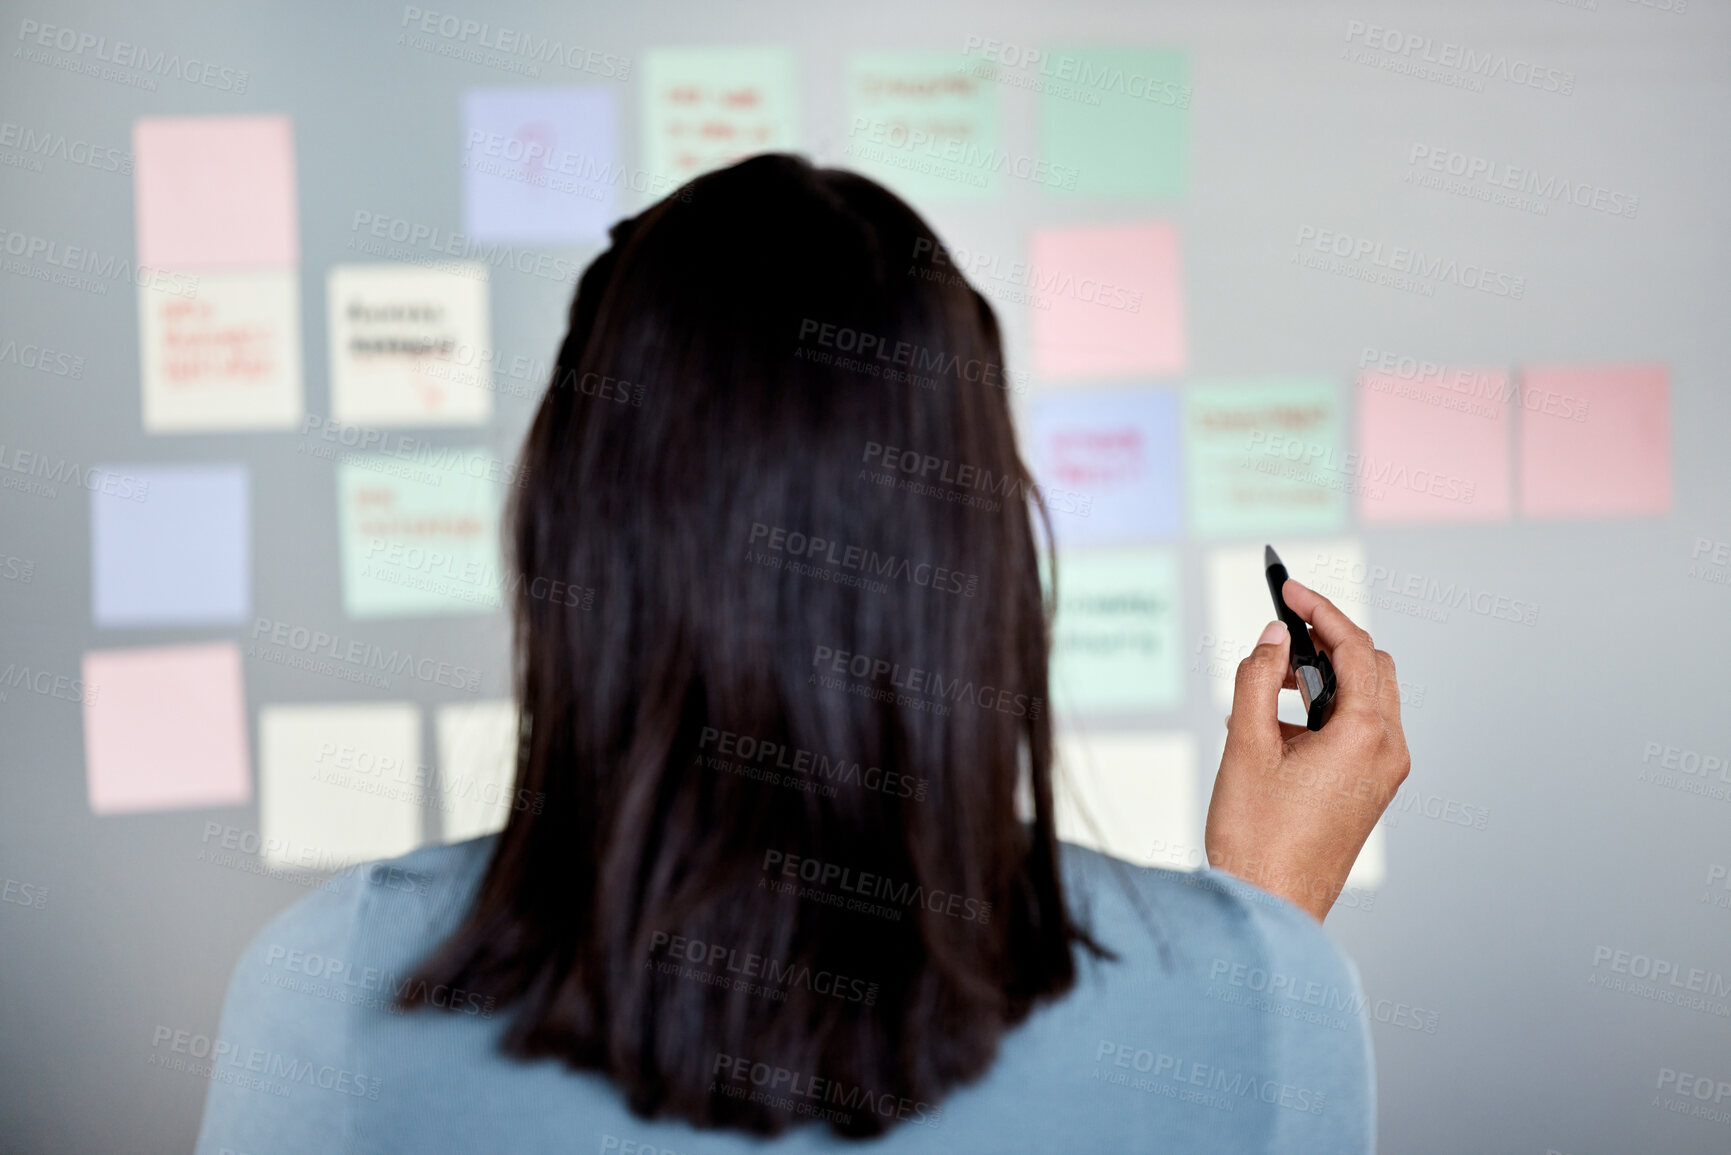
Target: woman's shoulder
(1208, 909)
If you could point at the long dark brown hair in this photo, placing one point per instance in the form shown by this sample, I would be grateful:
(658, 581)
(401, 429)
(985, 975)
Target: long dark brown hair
(778, 872)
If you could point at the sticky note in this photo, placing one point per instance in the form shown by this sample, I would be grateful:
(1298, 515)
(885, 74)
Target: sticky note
(704, 108)
(1595, 440)
(1370, 868)
(921, 125)
(1118, 118)
(173, 548)
(398, 335)
(1433, 446)
(1107, 464)
(1130, 795)
(1115, 641)
(225, 359)
(1238, 604)
(1265, 458)
(339, 783)
(1116, 306)
(477, 766)
(165, 728)
(420, 535)
(215, 192)
(541, 164)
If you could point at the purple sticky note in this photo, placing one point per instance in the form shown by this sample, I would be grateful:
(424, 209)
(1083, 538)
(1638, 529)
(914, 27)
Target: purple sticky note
(1107, 464)
(540, 164)
(165, 728)
(170, 545)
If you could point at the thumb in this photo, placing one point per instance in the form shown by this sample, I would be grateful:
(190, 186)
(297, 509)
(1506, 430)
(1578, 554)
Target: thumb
(1254, 726)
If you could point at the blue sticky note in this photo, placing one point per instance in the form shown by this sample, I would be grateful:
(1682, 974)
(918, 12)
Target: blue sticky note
(540, 164)
(170, 545)
(1108, 465)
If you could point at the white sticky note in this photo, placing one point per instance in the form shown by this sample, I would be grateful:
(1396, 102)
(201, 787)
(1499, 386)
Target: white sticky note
(1239, 606)
(1371, 869)
(396, 333)
(225, 357)
(1131, 795)
(477, 766)
(340, 783)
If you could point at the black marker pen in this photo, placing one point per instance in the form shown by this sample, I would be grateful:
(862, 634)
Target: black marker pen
(1311, 668)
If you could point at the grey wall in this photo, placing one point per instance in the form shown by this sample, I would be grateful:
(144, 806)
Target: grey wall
(1494, 930)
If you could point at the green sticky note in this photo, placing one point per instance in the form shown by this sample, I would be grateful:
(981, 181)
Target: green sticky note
(923, 125)
(420, 531)
(1118, 119)
(1265, 458)
(704, 108)
(1115, 643)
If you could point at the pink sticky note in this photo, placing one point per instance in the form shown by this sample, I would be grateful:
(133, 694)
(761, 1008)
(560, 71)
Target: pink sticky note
(165, 728)
(1107, 301)
(215, 192)
(1433, 445)
(1595, 440)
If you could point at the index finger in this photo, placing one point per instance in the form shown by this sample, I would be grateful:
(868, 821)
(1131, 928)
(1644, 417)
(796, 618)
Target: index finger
(1349, 647)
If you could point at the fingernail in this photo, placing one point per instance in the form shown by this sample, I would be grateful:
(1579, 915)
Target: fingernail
(1272, 634)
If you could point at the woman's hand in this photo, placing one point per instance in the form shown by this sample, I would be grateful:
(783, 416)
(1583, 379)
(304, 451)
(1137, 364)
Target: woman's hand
(1292, 808)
